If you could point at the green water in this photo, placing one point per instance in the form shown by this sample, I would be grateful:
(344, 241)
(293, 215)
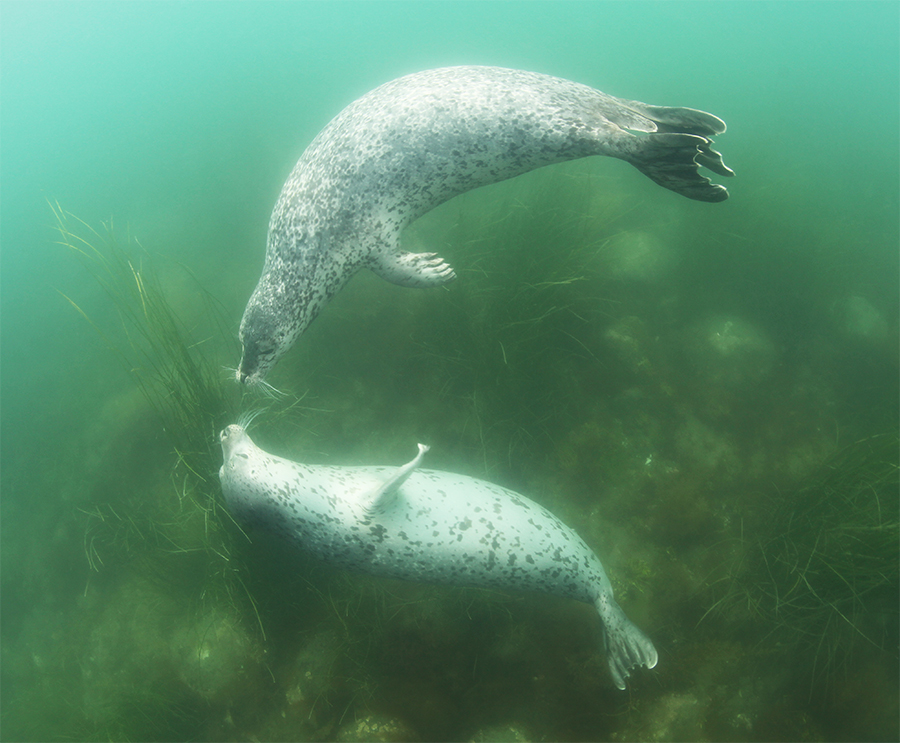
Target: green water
(678, 381)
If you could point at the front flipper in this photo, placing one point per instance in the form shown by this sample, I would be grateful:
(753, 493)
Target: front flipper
(417, 270)
(381, 498)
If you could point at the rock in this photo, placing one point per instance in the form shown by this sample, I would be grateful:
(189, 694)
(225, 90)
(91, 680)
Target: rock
(376, 728)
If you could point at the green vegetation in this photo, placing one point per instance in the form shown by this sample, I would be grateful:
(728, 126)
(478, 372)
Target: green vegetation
(184, 534)
(825, 577)
(175, 372)
(554, 366)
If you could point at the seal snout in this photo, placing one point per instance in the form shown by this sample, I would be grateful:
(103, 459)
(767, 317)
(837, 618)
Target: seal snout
(254, 366)
(233, 438)
(248, 371)
(230, 432)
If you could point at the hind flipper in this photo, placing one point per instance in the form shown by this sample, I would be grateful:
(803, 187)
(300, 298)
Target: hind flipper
(676, 120)
(673, 161)
(690, 121)
(677, 142)
(626, 646)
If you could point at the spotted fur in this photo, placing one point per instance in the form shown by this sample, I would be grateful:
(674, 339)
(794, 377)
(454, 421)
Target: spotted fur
(425, 525)
(412, 144)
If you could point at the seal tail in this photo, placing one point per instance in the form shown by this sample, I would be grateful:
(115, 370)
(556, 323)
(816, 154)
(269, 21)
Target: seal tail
(626, 646)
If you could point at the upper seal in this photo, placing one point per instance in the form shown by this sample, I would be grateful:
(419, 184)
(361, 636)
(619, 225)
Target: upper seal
(415, 142)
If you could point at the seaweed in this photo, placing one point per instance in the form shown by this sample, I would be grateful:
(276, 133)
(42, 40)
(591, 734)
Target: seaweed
(180, 534)
(823, 579)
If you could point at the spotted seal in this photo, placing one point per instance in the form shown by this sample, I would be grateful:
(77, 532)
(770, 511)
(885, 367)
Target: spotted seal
(415, 142)
(425, 525)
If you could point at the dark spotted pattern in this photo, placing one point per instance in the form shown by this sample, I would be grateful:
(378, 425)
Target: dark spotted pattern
(412, 144)
(441, 527)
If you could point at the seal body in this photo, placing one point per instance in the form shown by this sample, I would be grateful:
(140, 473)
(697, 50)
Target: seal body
(425, 525)
(415, 142)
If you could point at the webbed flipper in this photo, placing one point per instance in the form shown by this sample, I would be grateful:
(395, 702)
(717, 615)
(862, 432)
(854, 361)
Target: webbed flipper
(673, 160)
(678, 141)
(626, 646)
(382, 497)
(418, 270)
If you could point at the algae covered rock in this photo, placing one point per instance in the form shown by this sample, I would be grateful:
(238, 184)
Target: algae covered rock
(215, 656)
(377, 728)
(508, 733)
(729, 352)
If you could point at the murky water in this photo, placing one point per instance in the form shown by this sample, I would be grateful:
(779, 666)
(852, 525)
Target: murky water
(707, 393)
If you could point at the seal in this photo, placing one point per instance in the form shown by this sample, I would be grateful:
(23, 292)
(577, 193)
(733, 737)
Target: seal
(425, 525)
(412, 144)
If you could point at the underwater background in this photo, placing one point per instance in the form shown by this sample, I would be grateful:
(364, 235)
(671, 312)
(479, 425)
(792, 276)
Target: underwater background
(707, 393)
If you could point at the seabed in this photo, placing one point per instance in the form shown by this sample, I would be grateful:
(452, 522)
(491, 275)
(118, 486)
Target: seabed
(740, 487)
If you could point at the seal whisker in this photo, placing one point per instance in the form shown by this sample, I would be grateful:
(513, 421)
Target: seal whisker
(260, 385)
(268, 390)
(247, 418)
(232, 373)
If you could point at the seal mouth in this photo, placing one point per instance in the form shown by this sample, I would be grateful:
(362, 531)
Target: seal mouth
(250, 379)
(256, 361)
(252, 369)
